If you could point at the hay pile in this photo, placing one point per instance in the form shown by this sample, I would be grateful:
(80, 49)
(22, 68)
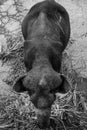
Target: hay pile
(69, 112)
(18, 113)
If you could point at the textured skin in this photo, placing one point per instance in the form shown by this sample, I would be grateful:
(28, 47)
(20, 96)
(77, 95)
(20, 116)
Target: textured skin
(46, 31)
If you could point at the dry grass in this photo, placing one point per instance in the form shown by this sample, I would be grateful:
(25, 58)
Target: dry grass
(17, 112)
(69, 112)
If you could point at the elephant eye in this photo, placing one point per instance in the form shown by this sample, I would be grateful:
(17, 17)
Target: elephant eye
(54, 90)
(31, 92)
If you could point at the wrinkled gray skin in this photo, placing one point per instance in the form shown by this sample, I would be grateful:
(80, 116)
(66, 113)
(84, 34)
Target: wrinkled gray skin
(46, 31)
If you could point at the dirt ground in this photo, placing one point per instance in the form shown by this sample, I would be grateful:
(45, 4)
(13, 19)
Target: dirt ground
(16, 110)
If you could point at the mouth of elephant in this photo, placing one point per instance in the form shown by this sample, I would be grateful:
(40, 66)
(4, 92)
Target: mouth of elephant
(43, 117)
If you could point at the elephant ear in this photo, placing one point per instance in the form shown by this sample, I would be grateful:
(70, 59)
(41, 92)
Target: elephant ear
(18, 85)
(65, 85)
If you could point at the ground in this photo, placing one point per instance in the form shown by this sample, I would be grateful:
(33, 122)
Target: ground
(74, 64)
(12, 14)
